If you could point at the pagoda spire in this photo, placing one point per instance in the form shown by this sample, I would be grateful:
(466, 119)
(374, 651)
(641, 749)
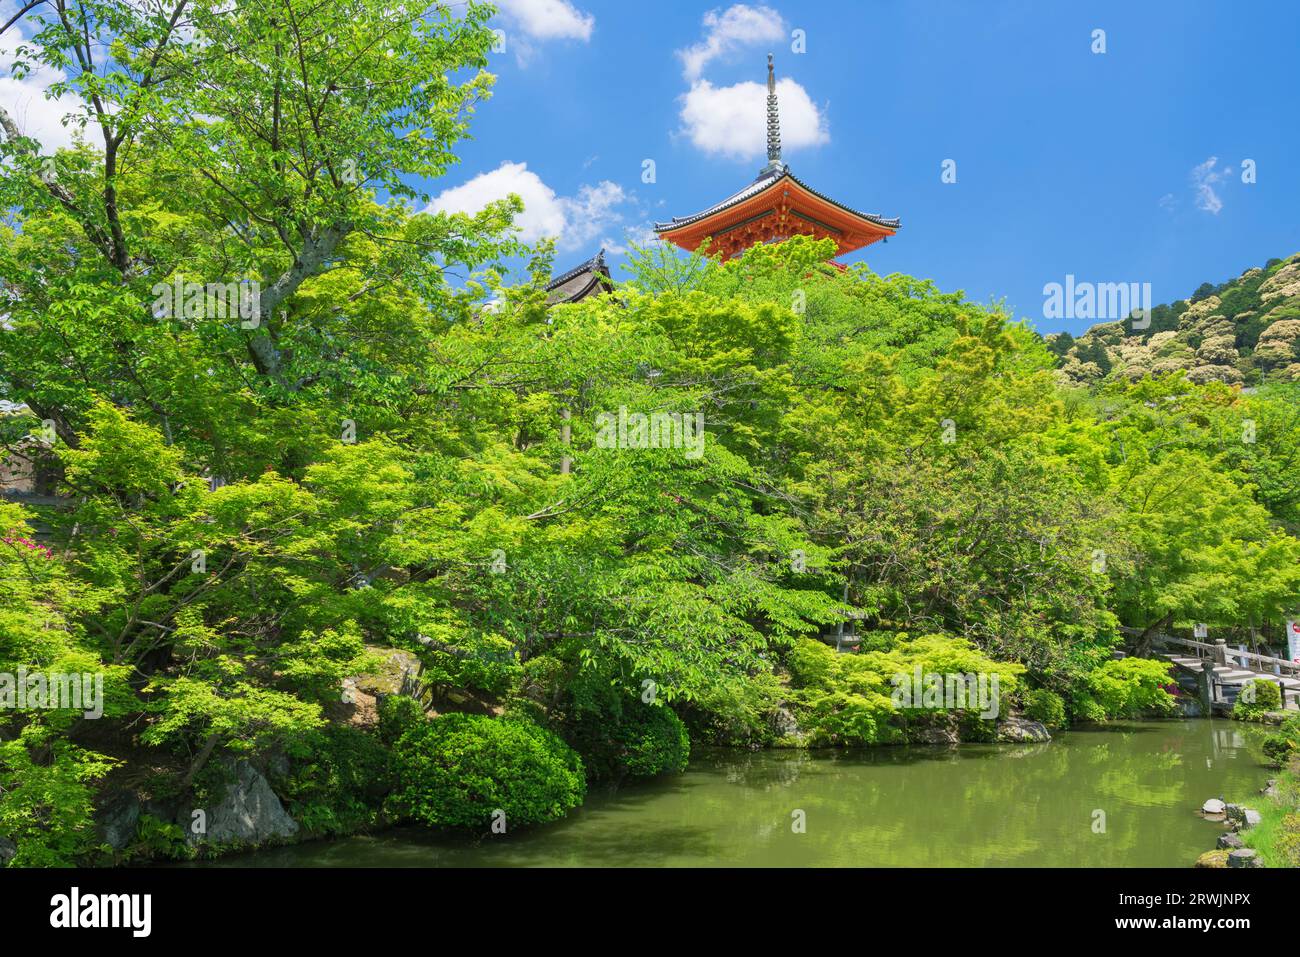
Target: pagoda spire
(773, 123)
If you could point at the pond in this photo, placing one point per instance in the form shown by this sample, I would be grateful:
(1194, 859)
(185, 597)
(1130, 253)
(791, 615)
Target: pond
(1120, 796)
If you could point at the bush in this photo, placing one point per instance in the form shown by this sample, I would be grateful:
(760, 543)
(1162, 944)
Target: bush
(654, 741)
(853, 700)
(1256, 697)
(338, 780)
(1285, 744)
(628, 738)
(1046, 706)
(1124, 688)
(398, 713)
(456, 770)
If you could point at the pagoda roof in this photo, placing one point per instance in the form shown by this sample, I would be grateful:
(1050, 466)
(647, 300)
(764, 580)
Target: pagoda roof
(583, 280)
(766, 181)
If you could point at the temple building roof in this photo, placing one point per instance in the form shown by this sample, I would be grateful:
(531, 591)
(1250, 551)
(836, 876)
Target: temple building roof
(776, 206)
(583, 280)
(764, 182)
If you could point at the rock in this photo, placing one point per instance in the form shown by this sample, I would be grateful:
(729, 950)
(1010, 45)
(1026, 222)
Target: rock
(1213, 859)
(1271, 789)
(116, 819)
(1230, 841)
(1241, 816)
(785, 724)
(249, 813)
(1213, 806)
(1020, 730)
(1188, 707)
(1244, 857)
(8, 851)
(936, 735)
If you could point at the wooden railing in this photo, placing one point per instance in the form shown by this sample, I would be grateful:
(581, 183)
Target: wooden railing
(1220, 653)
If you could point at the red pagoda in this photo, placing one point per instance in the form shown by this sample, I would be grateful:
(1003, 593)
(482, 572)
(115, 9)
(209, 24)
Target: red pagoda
(775, 207)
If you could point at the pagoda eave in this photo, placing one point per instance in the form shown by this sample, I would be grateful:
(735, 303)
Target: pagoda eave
(782, 208)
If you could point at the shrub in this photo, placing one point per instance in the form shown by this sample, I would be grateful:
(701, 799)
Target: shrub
(1046, 706)
(1124, 687)
(338, 780)
(1285, 744)
(654, 741)
(629, 739)
(398, 713)
(1256, 697)
(456, 770)
(853, 699)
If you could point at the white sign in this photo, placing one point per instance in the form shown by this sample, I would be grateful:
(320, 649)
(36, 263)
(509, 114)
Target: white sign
(1293, 639)
(1199, 630)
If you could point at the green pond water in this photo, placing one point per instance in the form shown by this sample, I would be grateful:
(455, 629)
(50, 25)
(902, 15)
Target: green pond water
(972, 806)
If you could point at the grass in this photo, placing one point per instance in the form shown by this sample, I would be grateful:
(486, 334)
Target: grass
(1277, 836)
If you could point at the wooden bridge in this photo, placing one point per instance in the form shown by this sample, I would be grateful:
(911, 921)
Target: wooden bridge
(1220, 672)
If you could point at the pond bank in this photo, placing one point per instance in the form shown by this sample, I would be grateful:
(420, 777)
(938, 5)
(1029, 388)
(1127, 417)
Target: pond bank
(1123, 795)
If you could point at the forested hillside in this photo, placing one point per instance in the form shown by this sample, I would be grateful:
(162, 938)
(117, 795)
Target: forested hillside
(1243, 331)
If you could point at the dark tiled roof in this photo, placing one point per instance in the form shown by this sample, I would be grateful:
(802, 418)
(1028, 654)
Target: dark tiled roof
(765, 181)
(580, 281)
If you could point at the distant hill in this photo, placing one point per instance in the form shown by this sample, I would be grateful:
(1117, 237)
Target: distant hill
(1239, 332)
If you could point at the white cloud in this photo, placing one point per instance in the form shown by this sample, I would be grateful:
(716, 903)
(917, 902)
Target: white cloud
(1204, 178)
(24, 100)
(573, 220)
(548, 19)
(731, 120)
(643, 235)
(737, 27)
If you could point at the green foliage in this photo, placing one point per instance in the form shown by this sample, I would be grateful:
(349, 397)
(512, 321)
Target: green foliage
(854, 699)
(1125, 688)
(338, 780)
(1282, 746)
(46, 805)
(158, 839)
(1255, 698)
(652, 741)
(457, 770)
(398, 714)
(376, 460)
(1045, 706)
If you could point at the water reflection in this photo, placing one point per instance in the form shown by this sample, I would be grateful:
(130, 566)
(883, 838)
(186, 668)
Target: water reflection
(977, 805)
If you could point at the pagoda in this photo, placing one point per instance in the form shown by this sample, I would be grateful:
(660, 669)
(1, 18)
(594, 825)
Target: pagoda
(775, 207)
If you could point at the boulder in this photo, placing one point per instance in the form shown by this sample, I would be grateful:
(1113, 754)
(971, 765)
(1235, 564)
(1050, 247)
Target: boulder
(116, 819)
(1242, 817)
(1244, 857)
(936, 735)
(1213, 806)
(785, 724)
(249, 813)
(8, 851)
(1213, 859)
(1022, 730)
(1230, 841)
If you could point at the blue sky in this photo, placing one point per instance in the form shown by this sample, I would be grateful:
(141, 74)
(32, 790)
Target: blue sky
(1122, 166)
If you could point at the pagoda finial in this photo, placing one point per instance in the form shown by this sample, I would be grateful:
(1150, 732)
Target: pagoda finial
(773, 122)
